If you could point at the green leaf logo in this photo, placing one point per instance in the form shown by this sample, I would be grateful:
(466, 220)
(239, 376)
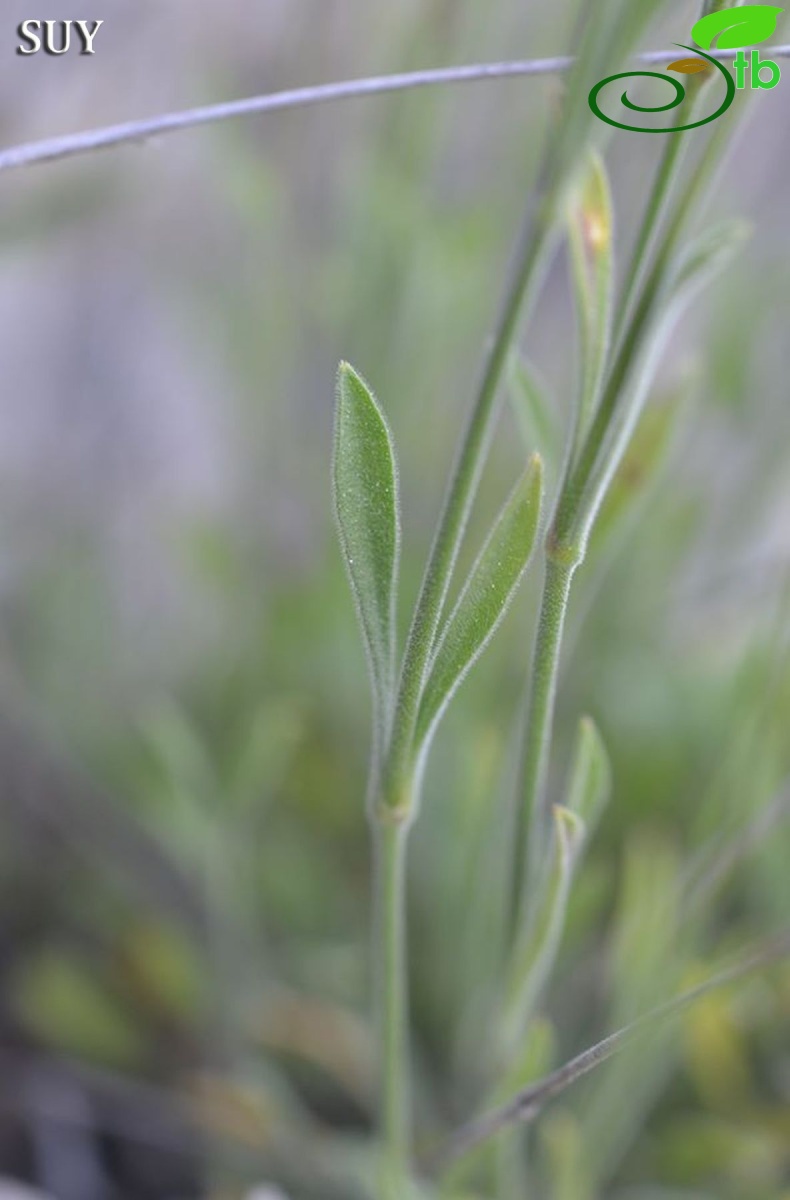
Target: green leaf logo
(737, 27)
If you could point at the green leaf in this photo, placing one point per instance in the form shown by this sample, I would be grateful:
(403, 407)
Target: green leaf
(485, 597)
(540, 940)
(590, 236)
(64, 1004)
(641, 466)
(527, 1105)
(586, 792)
(535, 1056)
(590, 778)
(647, 957)
(366, 504)
(261, 754)
(182, 754)
(708, 254)
(562, 1141)
(535, 412)
(701, 261)
(736, 27)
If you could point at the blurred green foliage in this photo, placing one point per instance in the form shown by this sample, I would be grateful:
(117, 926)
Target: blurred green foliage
(184, 889)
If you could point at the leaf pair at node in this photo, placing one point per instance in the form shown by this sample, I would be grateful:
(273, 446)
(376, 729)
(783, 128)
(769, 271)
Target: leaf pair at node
(368, 515)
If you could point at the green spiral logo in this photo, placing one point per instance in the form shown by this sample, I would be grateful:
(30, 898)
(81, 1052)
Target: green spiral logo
(679, 97)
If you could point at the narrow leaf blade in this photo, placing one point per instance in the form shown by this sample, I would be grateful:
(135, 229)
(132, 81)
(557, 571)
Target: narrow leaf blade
(535, 412)
(641, 466)
(365, 484)
(709, 253)
(591, 235)
(590, 779)
(587, 791)
(486, 595)
(540, 940)
(528, 1104)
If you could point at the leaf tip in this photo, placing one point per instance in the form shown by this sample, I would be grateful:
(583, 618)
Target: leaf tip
(346, 373)
(535, 472)
(570, 830)
(595, 208)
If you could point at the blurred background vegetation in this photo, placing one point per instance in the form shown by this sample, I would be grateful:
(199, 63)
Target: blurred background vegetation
(184, 866)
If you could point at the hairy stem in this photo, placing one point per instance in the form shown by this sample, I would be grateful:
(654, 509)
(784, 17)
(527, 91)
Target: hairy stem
(389, 934)
(576, 509)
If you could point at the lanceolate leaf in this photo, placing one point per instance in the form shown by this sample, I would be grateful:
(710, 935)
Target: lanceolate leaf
(701, 261)
(534, 412)
(590, 779)
(731, 28)
(486, 595)
(590, 227)
(366, 504)
(710, 253)
(586, 793)
(540, 939)
(641, 466)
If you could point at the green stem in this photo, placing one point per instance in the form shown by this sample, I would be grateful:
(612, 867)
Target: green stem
(391, 981)
(559, 572)
(655, 209)
(585, 483)
(591, 473)
(465, 477)
(532, 253)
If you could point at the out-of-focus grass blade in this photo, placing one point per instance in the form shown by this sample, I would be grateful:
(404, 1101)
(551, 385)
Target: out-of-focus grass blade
(486, 595)
(649, 944)
(535, 413)
(528, 1104)
(366, 503)
(590, 238)
(721, 855)
(587, 790)
(641, 465)
(590, 779)
(537, 948)
(530, 1060)
(262, 753)
(666, 294)
(606, 33)
(563, 1147)
(708, 254)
